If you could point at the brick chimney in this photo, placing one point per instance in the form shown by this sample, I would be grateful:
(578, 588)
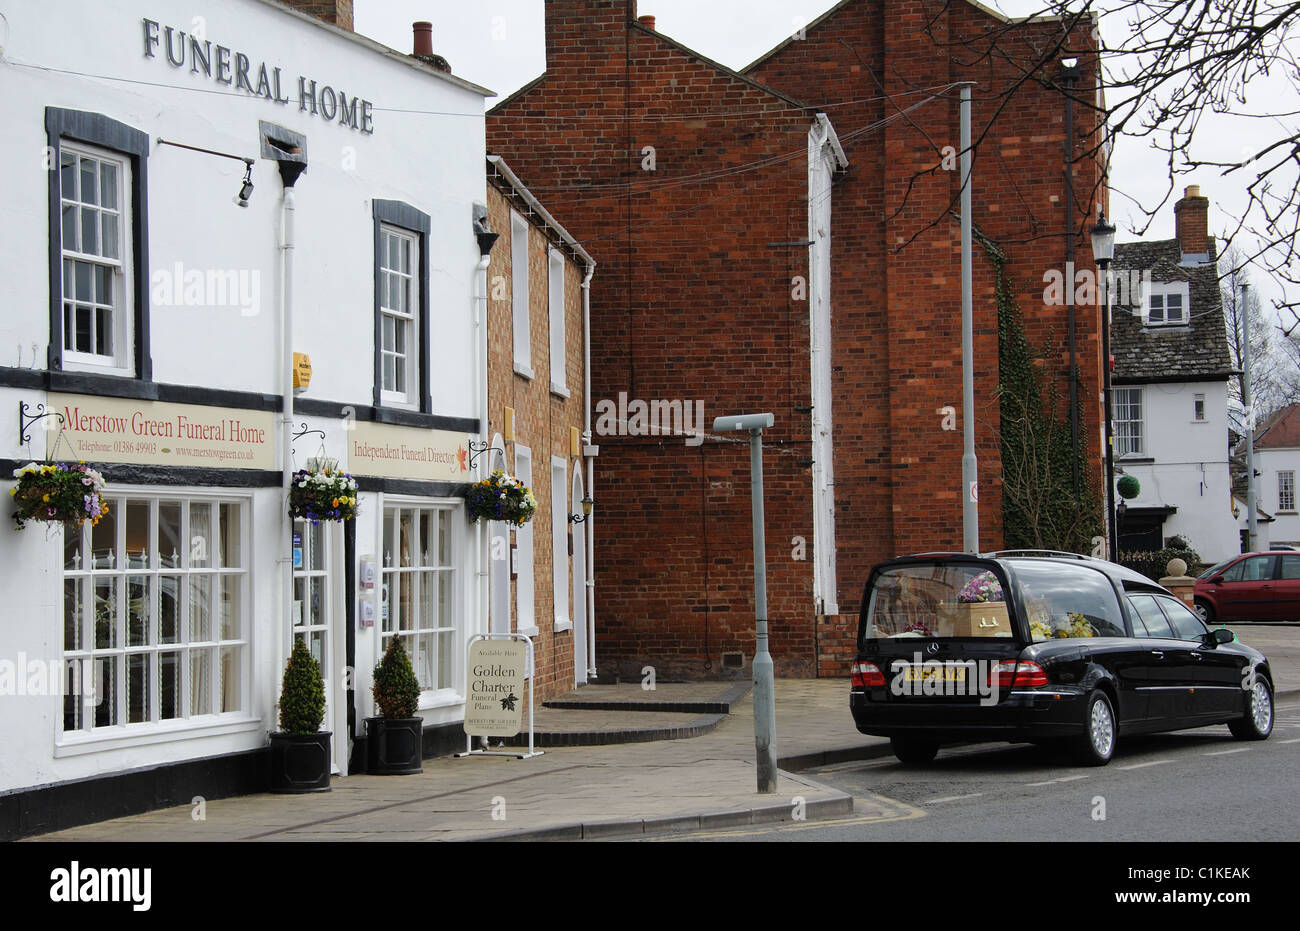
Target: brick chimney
(647, 21)
(335, 12)
(577, 30)
(1192, 223)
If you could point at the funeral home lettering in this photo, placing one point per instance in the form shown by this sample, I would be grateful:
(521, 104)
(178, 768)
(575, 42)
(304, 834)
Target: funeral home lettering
(237, 70)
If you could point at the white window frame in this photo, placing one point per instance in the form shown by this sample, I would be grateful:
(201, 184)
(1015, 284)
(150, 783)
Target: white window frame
(432, 694)
(197, 560)
(121, 360)
(560, 542)
(409, 319)
(1286, 490)
(525, 584)
(1159, 292)
(519, 294)
(559, 357)
(1136, 440)
(1198, 408)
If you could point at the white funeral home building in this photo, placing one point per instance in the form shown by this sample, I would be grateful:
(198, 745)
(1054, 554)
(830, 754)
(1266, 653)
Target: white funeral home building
(194, 194)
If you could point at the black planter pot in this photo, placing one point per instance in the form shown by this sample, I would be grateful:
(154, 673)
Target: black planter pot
(300, 762)
(394, 745)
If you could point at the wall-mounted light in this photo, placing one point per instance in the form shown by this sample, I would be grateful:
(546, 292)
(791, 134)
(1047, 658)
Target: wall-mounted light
(587, 503)
(246, 189)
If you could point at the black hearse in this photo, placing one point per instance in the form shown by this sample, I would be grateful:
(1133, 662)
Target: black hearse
(1038, 647)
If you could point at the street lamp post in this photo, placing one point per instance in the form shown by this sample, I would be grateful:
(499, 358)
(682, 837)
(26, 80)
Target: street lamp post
(970, 508)
(764, 678)
(1248, 406)
(1103, 251)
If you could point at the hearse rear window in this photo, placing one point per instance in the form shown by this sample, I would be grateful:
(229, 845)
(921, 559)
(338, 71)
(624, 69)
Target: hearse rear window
(937, 600)
(1064, 600)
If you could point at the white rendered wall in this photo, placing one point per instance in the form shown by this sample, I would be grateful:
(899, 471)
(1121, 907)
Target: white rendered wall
(1190, 471)
(1285, 527)
(432, 162)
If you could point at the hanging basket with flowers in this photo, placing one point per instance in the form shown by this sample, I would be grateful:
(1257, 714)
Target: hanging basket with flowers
(501, 497)
(319, 494)
(58, 494)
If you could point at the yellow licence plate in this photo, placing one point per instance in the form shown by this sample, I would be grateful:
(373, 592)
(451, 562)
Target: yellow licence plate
(935, 674)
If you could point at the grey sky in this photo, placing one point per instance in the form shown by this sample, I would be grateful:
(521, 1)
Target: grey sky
(499, 44)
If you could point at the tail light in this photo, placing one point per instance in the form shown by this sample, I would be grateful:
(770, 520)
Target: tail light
(1014, 674)
(867, 674)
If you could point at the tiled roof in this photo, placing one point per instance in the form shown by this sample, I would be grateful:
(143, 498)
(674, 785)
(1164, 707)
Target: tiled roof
(1281, 429)
(1196, 351)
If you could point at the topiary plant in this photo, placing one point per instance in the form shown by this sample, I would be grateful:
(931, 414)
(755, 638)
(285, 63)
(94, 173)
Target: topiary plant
(302, 693)
(1128, 487)
(396, 690)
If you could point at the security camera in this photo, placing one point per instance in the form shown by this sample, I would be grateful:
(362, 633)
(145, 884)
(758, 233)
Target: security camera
(742, 422)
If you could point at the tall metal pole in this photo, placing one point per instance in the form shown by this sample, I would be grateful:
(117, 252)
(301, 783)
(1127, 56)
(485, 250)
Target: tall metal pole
(970, 519)
(764, 675)
(1252, 516)
(1112, 530)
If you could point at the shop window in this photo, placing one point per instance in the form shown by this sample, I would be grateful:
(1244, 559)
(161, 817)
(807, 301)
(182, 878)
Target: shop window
(155, 613)
(401, 306)
(418, 598)
(99, 311)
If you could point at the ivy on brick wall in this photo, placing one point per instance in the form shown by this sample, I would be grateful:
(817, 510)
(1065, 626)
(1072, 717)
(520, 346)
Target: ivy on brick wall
(1039, 507)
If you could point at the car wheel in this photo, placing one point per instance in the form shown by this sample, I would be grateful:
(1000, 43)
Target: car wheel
(912, 751)
(1257, 722)
(1204, 612)
(1096, 745)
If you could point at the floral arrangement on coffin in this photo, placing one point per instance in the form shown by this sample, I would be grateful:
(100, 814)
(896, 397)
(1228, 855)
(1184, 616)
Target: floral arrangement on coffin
(1079, 626)
(920, 629)
(323, 494)
(501, 497)
(1040, 627)
(982, 588)
(58, 494)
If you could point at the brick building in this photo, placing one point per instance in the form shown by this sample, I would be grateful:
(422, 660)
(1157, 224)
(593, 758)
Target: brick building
(706, 196)
(537, 281)
(898, 310)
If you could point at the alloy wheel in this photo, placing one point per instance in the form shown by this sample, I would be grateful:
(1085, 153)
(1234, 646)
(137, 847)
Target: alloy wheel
(1101, 728)
(1261, 707)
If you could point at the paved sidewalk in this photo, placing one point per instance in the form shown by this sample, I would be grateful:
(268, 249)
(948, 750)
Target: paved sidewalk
(568, 793)
(575, 792)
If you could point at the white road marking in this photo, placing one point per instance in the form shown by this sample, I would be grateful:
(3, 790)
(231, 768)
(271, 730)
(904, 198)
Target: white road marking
(1293, 740)
(1052, 782)
(1141, 765)
(951, 798)
(1226, 752)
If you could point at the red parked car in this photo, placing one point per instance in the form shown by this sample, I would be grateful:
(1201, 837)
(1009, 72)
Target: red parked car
(1251, 587)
